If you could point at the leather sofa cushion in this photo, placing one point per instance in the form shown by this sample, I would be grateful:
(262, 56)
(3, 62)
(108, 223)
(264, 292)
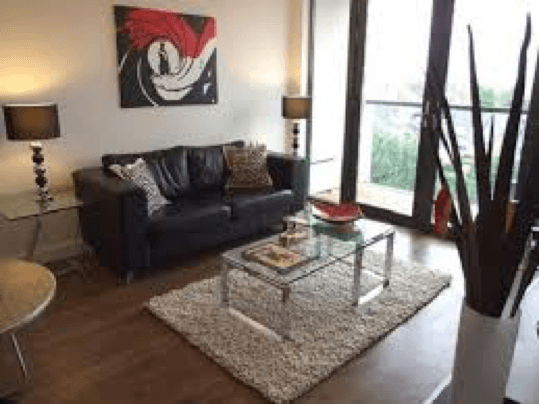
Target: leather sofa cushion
(252, 205)
(169, 168)
(189, 216)
(207, 168)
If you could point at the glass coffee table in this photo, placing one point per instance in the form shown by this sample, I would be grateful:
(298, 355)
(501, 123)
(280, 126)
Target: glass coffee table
(324, 245)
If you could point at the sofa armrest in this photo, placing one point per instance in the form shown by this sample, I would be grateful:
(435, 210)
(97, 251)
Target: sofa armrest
(113, 217)
(289, 172)
(92, 184)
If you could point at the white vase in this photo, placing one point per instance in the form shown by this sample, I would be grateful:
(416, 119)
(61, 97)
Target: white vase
(483, 357)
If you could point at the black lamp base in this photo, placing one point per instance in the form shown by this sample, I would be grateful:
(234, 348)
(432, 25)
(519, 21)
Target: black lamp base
(43, 193)
(295, 139)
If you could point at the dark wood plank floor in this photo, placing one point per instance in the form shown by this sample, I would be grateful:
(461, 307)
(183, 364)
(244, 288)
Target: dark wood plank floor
(97, 343)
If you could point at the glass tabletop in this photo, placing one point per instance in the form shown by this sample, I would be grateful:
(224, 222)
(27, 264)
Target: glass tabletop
(18, 206)
(25, 291)
(323, 245)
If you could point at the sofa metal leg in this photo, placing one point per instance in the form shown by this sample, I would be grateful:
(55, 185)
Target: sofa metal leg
(126, 278)
(129, 277)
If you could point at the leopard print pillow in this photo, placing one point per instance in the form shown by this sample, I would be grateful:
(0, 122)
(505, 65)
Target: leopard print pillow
(141, 176)
(248, 168)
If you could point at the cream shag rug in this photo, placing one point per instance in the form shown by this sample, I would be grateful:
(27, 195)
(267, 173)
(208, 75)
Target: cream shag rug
(327, 330)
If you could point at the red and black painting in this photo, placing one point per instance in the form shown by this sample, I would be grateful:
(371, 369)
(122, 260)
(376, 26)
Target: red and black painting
(165, 58)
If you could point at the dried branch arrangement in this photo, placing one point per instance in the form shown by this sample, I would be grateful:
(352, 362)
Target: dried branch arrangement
(491, 245)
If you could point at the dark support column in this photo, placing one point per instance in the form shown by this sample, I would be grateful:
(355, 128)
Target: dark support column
(356, 58)
(440, 37)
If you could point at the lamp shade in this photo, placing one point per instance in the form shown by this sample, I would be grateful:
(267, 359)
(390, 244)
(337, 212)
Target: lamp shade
(296, 107)
(31, 121)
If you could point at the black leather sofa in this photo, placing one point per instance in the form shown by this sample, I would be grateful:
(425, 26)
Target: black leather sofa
(114, 217)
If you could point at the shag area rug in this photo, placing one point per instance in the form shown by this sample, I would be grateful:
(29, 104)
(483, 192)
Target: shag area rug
(327, 331)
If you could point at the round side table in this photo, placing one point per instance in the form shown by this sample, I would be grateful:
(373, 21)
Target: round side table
(26, 289)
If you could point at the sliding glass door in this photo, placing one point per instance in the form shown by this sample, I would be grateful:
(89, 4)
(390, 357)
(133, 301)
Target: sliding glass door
(369, 66)
(379, 99)
(396, 57)
(498, 28)
(395, 171)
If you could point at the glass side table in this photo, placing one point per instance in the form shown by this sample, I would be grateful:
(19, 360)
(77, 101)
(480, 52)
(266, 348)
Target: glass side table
(26, 289)
(25, 205)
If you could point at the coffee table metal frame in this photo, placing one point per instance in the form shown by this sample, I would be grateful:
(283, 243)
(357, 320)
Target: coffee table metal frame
(228, 262)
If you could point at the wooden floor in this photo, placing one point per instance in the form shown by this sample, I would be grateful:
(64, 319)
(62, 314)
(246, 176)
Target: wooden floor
(97, 344)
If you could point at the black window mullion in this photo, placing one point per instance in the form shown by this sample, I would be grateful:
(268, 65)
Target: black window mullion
(440, 39)
(356, 67)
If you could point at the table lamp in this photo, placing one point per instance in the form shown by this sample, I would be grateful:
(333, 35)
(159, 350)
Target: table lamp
(296, 108)
(34, 122)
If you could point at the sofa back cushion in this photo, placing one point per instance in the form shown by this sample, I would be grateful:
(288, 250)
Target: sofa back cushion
(169, 168)
(207, 168)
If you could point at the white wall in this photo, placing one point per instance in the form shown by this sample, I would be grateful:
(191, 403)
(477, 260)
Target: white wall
(65, 51)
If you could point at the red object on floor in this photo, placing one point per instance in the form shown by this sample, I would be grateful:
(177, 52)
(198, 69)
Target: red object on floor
(341, 213)
(442, 210)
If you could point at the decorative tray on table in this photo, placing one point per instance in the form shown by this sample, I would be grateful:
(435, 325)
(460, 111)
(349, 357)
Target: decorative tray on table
(275, 256)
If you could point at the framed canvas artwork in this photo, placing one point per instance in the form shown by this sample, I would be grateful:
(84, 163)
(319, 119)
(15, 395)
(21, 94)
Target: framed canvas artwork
(165, 58)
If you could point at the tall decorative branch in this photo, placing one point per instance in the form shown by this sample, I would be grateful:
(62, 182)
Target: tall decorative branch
(490, 247)
(452, 148)
(507, 156)
(481, 161)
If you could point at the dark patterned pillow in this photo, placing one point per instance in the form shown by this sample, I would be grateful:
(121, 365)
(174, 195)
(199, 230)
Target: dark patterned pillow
(248, 168)
(141, 176)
